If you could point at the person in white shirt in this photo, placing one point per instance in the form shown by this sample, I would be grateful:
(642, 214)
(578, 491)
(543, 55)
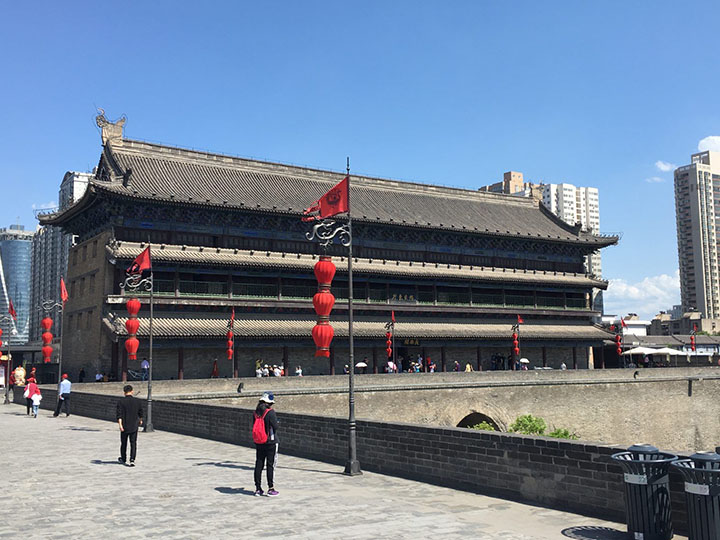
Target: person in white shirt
(64, 389)
(298, 371)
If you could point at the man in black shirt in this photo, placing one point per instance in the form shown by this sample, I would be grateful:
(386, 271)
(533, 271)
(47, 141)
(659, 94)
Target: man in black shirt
(129, 417)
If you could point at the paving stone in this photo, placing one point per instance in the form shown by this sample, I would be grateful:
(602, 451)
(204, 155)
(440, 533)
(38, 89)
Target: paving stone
(64, 473)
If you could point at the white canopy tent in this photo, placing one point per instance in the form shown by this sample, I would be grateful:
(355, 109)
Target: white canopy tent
(640, 350)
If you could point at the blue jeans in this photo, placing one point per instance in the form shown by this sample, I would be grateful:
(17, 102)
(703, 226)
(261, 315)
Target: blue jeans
(35, 409)
(144, 372)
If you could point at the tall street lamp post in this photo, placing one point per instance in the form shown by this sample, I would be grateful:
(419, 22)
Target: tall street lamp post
(325, 231)
(48, 306)
(134, 281)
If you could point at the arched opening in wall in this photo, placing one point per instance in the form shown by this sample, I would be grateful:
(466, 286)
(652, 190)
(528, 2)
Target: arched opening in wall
(475, 418)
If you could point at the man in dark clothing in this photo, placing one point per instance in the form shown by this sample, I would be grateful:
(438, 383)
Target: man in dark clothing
(266, 452)
(130, 417)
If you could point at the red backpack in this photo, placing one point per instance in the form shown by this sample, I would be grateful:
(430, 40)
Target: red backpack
(259, 434)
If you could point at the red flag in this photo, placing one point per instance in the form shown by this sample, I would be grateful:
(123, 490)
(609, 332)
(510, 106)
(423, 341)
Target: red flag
(520, 321)
(622, 322)
(392, 315)
(334, 202)
(141, 263)
(63, 291)
(11, 311)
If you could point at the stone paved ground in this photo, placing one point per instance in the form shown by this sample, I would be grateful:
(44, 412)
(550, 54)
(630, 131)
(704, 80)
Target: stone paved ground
(63, 474)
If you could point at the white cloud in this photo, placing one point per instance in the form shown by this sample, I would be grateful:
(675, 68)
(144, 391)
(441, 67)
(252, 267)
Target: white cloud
(45, 206)
(710, 143)
(664, 166)
(654, 180)
(646, 298)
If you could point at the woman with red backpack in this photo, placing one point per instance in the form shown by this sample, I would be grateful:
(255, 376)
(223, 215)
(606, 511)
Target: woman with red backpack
(264, 433)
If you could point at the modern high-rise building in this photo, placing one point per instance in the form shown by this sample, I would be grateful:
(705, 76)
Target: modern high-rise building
(697, 209)
(15, 253)
(50, 256)
(576, 205)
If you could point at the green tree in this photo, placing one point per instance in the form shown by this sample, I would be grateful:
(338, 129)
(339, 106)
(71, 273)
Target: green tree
(563, 433)
(528, 424)
(484, 426)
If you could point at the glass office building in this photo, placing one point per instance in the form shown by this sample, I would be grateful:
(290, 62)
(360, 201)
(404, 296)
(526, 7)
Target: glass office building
(15, 282)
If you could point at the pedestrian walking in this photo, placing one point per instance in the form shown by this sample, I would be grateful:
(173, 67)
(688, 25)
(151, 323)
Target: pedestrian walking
(129, 416)
(31, 389)
(144, 369)
(36, 397)
(264, 433)
(63, 396)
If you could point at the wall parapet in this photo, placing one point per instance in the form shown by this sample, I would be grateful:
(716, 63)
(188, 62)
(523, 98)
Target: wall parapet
(575, 476)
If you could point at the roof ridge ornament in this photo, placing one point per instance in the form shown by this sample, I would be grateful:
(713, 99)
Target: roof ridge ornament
(110, 131)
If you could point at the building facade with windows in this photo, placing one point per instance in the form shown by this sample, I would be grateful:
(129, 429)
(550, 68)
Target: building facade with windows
(15, 278)
(457, 267)
(50, 250)
(697, 211)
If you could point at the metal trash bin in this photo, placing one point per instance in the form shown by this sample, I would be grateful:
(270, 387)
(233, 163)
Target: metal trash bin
(647, 491)
(702, 494)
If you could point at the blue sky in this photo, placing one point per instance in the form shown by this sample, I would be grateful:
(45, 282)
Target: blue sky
(454, 93)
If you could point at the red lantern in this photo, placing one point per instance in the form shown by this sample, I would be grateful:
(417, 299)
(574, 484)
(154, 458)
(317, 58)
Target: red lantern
(0, 342)
(0, 331)
(229, 354)
(323, 302)
(131, 346)
(47, 338)
(229, 334)
(388, 335)
(229, 344)
(46, 323)
(619, 351)
(389, 351)
(322, 335)
(692, 343)
(324, 271)
(133, 307)
(132, 325)
(47, 353)
(516, 350)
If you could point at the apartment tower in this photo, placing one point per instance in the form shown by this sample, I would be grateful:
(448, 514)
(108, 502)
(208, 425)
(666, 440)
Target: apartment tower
(697, 207)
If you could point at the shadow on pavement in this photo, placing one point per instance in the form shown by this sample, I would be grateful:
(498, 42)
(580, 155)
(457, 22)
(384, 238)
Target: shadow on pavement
(309, 470)
(235, 491)
(228, 464)
(594, 533)
(82, 429)
(101, 462)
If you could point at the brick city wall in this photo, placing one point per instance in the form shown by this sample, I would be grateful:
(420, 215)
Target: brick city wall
(568, 475)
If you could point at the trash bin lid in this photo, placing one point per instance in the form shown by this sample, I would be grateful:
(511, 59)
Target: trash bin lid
(705, 457)
(643, 449)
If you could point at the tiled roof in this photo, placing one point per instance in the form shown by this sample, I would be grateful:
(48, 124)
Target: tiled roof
(169, 174)
(298, 326)
(268, 259)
